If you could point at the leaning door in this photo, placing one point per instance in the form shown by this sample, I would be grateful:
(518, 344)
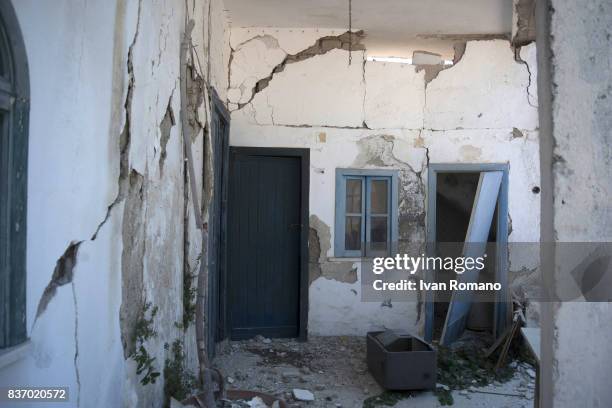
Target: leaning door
(474, 247)
(263, 259)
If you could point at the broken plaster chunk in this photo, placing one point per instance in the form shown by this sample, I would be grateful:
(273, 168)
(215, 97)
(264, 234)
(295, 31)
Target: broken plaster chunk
(303, 395)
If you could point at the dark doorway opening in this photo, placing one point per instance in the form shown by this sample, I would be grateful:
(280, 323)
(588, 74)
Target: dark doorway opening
(455, 196)
(267, 243)
(452, 193)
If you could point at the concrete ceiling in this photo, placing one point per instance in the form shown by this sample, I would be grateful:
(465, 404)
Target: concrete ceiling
(392, 27)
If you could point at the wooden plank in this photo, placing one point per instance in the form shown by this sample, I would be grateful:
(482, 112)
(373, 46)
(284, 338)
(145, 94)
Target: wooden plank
(504, 352)
(475, 245)
(498, 342)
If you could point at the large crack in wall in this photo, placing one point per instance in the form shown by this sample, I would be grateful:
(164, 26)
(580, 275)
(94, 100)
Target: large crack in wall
(64, 269)
(519, 59)
(125, 137)
(346, 41)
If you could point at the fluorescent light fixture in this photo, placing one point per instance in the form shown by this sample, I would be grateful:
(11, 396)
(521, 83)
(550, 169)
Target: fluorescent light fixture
(391, 59)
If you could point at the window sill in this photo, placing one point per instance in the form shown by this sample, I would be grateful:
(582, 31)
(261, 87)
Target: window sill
(13, 354)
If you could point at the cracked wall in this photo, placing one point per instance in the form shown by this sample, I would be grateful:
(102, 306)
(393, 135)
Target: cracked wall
(107, 174)
(388, 116)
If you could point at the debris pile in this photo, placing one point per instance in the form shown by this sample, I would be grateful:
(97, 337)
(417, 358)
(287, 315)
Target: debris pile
(331, 372)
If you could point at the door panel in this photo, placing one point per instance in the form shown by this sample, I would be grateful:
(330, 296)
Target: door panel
(216, 227)
(264, 215)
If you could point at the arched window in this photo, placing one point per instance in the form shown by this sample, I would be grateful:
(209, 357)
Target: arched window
(14, 109)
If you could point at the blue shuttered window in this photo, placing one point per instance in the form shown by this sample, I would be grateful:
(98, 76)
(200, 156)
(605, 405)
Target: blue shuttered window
(366, 213)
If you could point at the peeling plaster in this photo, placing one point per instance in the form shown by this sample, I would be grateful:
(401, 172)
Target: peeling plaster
(165, 127)
(319, 244)
(432, 71)
(516, 133)
(62, 275)
(523, 21)
(132, 260)
(378, 151)
(196, 86)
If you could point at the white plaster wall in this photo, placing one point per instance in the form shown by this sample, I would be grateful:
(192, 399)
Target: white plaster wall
(424, 123)
(395, 95)
(323, 90)
(579, 333)
(72, 177)
(485, 89)
(77, 54)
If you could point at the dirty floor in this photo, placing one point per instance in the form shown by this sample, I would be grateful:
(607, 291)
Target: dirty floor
(334, 370)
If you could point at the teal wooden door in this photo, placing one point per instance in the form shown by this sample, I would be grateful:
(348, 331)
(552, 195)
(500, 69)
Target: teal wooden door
(216, 223)
(264, 227)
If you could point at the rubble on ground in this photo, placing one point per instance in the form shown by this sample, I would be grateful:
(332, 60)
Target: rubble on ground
(333, 370)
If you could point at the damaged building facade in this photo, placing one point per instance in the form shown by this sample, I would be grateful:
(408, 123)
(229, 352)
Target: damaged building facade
(162, 136)
(112, 239)
(385, 116)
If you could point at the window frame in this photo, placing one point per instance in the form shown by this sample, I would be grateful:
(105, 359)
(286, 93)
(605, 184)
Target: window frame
(15, 105)
(367, 175)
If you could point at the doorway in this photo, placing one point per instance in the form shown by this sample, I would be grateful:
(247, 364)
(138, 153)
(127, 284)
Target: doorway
(220, 125)
(453, 193)
(267, 242)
